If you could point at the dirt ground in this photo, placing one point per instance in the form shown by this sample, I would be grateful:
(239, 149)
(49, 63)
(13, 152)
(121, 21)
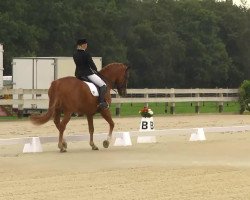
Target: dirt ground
(173, 168)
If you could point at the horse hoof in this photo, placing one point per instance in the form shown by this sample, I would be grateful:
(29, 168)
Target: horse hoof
(62, 147)
(95, 148)
(65, 145)
(105, 143)
(63, 150)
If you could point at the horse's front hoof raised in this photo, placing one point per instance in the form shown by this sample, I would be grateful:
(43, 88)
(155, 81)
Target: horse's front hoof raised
(105, 143)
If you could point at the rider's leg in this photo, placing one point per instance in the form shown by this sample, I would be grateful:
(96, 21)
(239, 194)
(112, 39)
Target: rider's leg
(103, 103)
(102, 88)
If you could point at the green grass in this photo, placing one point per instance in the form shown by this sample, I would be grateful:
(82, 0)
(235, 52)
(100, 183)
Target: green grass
(159, 109)
(8, 118)
(180, 108)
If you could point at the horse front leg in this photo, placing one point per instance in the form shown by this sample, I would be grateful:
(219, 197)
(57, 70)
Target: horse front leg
(91, 132)
(107, 116)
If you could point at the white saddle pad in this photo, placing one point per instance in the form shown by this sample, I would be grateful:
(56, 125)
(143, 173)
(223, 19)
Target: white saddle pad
(93, 89)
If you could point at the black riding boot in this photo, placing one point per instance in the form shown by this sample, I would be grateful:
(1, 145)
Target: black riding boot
(102, 103)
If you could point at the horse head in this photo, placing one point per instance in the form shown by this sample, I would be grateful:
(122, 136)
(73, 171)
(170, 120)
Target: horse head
(116, 74)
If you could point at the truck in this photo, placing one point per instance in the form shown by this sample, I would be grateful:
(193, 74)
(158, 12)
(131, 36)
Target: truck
(38, 73)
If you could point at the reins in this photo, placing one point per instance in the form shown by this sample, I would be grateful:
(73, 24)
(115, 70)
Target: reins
(107, 81)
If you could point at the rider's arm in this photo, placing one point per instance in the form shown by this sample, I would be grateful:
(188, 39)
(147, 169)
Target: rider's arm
(91, 62)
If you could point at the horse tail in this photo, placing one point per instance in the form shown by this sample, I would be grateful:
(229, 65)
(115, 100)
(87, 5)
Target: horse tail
(42, 119)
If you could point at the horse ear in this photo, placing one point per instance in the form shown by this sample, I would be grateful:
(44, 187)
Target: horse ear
(128, 67)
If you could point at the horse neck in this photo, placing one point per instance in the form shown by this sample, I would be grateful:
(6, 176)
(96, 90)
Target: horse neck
(109, 78)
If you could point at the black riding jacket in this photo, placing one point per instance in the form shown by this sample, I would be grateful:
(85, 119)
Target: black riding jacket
(85, 66)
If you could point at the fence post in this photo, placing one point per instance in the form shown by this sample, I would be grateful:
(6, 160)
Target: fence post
(20, 105)
(146, 103)
(197, 104)
(117, 107)
(221, 103)
(166, 104)
(166, 107)
(172, 104)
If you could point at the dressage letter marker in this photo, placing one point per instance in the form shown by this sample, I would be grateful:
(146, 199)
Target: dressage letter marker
(147, 124)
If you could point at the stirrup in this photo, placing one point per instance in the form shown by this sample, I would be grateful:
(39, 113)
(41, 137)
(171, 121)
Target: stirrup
(103, 105)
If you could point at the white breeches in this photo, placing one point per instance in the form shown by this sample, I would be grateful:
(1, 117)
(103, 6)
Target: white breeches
(96, 80)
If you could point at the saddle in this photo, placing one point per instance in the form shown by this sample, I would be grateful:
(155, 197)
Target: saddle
(92, 87)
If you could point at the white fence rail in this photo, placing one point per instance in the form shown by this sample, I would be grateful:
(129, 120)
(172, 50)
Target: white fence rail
(169, 96)
(102, 136)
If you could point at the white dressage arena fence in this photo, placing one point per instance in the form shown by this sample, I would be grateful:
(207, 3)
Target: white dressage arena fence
(199, 135)
(34, 144)
(36, 100)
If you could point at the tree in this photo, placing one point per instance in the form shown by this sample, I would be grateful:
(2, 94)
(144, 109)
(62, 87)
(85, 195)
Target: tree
(174, 43)
(244, 96)
(206, 61)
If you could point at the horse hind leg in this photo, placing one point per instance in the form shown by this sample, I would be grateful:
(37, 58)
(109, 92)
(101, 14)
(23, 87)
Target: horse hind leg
(91, 132)
(57, 116)
(62, 144)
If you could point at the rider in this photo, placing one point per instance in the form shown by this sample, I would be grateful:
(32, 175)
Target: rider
(85, 67)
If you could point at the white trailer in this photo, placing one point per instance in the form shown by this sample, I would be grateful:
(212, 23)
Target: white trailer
(38, 73)
(1, 66)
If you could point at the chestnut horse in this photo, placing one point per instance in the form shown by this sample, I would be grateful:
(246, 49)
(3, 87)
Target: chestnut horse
(69, 95)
